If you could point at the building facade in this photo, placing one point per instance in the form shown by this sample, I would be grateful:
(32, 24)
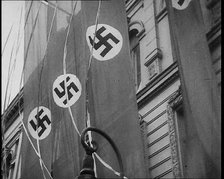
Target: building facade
(162, 116)
(12, 139)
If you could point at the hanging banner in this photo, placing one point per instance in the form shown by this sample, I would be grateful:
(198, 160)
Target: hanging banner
(45, 89)
(200, 92)
(111, 92)
(37, 116)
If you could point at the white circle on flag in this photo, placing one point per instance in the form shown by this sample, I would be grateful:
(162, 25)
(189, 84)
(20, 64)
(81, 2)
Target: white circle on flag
(39, 122)
(108, 41)
(66, 90)
(180, 4)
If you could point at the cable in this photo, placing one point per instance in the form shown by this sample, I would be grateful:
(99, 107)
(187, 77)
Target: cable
(35, 148)
(18, 42)
(48, 39)
(86, 81)
(90, 141)
(107, 166)
(89, 66)
(28, 13)
(11, 71)
(96, 24)
(6, 90)
(35, 22)
(3, 121)
(19, 105)
(8, 79)
(64, 69)
(50, 4)
(7, 39)
(38, 154)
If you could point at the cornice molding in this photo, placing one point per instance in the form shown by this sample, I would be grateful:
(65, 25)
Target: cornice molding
(130, 5)
(211, 3)
(214, 35)
(12, 111)
(155, 54)
(144, 95)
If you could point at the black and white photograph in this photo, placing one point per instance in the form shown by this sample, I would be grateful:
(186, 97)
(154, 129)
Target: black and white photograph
(126, 89)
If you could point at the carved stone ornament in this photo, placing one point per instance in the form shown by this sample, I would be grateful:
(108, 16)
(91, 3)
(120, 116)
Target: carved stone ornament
(174, 102)
(143, 125)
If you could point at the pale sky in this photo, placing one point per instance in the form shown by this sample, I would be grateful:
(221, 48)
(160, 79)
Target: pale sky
(11, 11)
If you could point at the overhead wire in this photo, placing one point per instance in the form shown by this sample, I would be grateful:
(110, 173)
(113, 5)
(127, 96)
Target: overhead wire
(28, 13)
(86, 81)
(52, 5)
(8, 76)
(6, 91)
(4, 46)
(41, 71)
(28, 45)
(22, 78)
(64, 71)
(64, 68)
(19, 105)
(4, 108)
(89, 65)
(31, 143)
(7, 40)
(11, 71)
(107, 166)
(18, 43)
(20, 40)
(96, 24)
(37, 152)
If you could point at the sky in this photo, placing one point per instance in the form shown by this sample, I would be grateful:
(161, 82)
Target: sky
(11, 11)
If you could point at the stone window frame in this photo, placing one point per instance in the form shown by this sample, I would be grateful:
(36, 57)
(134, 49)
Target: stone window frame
(137, 29)
(174, 104)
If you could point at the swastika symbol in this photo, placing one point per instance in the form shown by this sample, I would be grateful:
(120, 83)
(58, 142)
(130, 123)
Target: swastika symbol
(69, 87)
(103, 41)
(107, 44)
(66, 90)
(40, 122)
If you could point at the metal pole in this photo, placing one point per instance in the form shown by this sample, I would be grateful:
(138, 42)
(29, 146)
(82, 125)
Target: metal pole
(87, 172)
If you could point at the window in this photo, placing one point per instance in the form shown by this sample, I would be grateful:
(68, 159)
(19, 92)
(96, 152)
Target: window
(10, 157)
(163, 33)
(14, 149)
(11, 170)
(214, 7)
(6, 162)
(135, 57)
(136, 31)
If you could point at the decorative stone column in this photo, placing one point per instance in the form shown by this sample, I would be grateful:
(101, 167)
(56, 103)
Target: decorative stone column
(173, 104)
